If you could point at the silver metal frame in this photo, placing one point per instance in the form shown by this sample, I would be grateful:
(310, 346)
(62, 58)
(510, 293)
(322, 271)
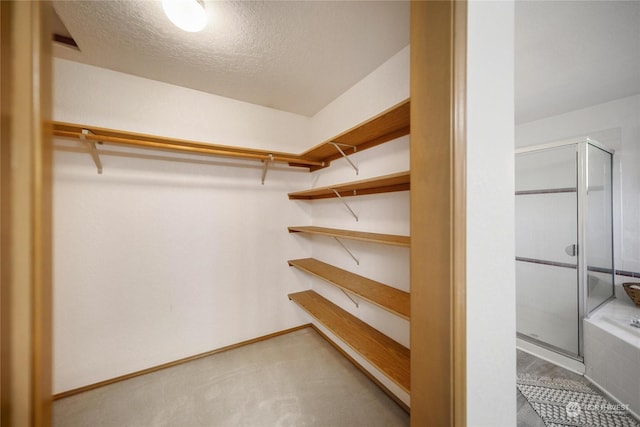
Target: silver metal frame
(549, 347)
(556, 144)
(613, 235)
(582, 178)
(613, 269)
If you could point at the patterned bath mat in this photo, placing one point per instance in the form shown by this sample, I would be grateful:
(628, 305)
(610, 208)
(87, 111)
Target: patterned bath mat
(562, 402)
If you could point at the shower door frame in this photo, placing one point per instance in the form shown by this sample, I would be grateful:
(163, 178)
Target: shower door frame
(582, 184)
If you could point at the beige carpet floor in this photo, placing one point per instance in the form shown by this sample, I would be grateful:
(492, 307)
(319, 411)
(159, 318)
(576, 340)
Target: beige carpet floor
(296, 379)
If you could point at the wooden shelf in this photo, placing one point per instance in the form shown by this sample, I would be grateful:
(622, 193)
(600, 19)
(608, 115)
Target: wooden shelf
(383, 184)
(385, 239)
(387, 355)
(385, 297)
(131, 139)
(386, 126)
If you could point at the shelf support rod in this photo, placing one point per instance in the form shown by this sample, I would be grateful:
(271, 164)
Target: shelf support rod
(265, 168)
(344, 203)
(342, 153)
(349, 296)
(347, 249)
(92, 150)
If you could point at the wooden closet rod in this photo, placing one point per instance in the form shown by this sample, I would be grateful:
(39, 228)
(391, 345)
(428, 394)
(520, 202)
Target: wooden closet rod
(180, 146)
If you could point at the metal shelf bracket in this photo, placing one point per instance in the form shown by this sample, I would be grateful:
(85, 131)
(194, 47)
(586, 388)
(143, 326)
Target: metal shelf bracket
(345, 203)
(349, 296)
(347, 249)
(342, 153)
(265, 167)
(93, 151)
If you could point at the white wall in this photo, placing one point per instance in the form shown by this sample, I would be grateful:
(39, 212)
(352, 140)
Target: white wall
(617, 125)
(156, 260)
(96, 96)
(384, 87)
(491, 334)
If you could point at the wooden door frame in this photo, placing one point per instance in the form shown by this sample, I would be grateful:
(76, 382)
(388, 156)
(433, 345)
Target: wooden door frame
(25, 215)
(438, 213)
(438, 337)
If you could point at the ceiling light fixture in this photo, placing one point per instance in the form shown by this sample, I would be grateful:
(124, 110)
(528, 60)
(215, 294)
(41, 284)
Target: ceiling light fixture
(188, 15)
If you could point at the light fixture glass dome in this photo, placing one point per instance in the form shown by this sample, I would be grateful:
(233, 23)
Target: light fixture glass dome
(188, 15)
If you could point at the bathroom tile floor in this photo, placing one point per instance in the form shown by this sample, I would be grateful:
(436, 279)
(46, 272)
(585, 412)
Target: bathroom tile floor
(532, 365)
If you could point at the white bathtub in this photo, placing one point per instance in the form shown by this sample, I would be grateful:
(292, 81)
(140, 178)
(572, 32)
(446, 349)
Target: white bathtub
(612, 352)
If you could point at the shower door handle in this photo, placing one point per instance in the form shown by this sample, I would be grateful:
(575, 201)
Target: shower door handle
(571, 250)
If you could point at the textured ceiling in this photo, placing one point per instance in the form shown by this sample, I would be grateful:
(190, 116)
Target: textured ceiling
(298, 56)
(294, 56)
(573, 54)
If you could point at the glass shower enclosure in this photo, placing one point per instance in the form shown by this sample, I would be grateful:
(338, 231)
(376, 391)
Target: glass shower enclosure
(564, 240)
